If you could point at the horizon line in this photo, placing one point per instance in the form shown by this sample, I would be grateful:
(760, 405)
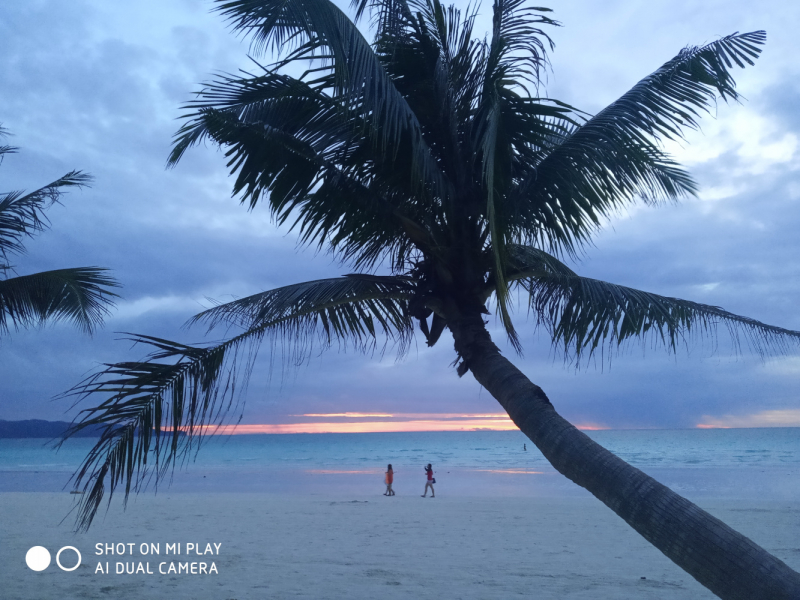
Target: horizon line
(422, 426)
(409, 426)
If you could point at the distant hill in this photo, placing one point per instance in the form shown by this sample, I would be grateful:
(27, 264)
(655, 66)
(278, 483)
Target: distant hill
(36, 428)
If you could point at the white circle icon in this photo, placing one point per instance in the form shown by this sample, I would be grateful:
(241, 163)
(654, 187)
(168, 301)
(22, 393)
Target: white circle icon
(58, 558)
(38, 558)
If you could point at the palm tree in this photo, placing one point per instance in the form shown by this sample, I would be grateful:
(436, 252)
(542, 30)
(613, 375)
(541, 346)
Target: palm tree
(428, 154)
(81, 295)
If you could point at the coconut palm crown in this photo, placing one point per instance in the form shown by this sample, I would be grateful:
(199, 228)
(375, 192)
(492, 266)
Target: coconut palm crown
(433, 156)
(81, 295)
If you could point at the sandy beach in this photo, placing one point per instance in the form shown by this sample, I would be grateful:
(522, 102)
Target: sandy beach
(370, 546)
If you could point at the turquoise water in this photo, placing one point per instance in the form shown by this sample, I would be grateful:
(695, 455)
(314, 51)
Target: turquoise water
(687, 448)
(731, 462)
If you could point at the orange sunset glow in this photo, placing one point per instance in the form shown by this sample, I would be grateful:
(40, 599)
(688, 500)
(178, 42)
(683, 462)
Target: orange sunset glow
(358, 415)
(355, 422)
(368, 426)
(591, 427)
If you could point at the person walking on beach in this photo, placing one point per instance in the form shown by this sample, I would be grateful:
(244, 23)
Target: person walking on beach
(388, 481)
(429, 481)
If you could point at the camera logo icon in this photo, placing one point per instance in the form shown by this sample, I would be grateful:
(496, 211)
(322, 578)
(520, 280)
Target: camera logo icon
(38, 558)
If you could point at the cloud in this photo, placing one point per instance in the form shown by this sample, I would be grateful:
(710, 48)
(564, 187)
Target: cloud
(126, 311)
(784, 366)
(98, 86)
(766, 418)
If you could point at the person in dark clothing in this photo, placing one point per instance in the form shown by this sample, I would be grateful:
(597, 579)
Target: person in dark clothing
(388, 481)
(429, 481)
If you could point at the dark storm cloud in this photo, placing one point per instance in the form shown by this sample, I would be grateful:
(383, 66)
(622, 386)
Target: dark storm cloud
(97, 86)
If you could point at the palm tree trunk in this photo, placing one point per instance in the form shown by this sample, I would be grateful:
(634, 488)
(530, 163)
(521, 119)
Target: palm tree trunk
(723, 560)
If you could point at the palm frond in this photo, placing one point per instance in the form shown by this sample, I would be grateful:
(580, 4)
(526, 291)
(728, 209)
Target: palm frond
(167, 403)
(288, 141)
(344, 308)
(584, 314)
(388, 17)
(672, 98)
(429, 53)
(155, 413)
(269, 99)
(518, 47)
(496, 230)
(81, 295)
(5, 149)
(614, 157)
(22, 215)
(515, 56)
(527, 262)
(320, 31)
(562, 203)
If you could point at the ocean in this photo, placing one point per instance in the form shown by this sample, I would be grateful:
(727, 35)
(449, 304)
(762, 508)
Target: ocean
(712, 463)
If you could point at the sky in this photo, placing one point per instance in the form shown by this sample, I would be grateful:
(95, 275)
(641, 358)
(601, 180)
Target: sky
(98, 86)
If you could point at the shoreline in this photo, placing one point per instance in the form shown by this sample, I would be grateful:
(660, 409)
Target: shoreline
(697, 483)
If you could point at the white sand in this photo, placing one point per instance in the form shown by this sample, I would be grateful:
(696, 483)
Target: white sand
(368, 547)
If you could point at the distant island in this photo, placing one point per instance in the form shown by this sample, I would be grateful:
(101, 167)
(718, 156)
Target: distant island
(37, 428)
